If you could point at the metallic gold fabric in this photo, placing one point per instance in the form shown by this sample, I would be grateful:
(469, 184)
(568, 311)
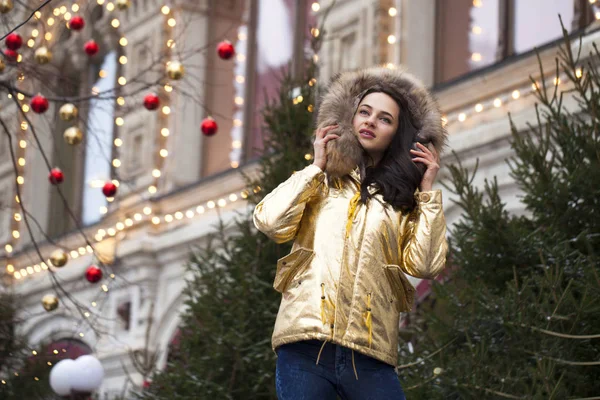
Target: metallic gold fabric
(348, 289)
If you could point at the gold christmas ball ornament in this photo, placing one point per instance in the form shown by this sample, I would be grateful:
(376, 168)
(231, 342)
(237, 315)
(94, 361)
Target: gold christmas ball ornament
(6, 6)
(73, 136)
(2, 65)
(50, 302)
(59, 258)
(122, 4)
(68, 112)
(43, 55)
(175, 70)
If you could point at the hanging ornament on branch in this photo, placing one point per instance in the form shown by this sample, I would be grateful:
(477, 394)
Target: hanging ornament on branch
(175, 70)
(6, 6)
(73, 136)
(109, 189)
(50, 302)
(225, 50)
(151, 101)
(91, 48)
(11, 55)
(209, 126)
(39, 104)
(122, 5)
(42, 55)
(76, 23)
(59, 258)
(56, 176)
(14, 41)
(93, 274)
(68, 112)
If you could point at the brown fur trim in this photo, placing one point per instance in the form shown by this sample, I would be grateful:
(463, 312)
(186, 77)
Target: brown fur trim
(339, 105)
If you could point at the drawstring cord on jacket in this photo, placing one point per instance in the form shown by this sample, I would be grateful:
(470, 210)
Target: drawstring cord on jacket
(369, 319)
(354, 366)
(351, 211)
(331, 308)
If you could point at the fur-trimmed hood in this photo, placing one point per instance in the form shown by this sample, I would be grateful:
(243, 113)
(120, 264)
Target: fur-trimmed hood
(339, 104)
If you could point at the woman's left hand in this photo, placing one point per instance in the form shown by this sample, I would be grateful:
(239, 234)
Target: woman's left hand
(432, 160)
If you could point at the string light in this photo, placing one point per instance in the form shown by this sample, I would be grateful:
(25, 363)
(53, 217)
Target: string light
(497, 102)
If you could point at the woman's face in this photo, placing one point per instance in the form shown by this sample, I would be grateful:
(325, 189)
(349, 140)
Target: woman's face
(375, 123)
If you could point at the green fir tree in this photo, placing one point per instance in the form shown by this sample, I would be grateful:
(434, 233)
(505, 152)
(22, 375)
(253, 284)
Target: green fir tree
(23, 374)
(225, 346)
(519, 316)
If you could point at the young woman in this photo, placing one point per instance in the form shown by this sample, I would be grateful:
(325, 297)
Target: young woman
(361, 216)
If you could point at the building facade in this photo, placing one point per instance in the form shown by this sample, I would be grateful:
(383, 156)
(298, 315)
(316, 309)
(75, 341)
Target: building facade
(175, 183)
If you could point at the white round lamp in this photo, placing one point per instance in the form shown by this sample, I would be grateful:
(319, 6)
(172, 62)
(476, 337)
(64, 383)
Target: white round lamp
(60, 377)
(89, 374)
(83, 375)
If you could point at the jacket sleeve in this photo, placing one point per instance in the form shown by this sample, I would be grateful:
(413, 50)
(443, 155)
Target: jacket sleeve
(424, 244)
(278, 215)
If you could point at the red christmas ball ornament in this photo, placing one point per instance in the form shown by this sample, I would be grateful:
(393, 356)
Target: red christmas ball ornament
(91, 48)
(11, 55)
(56, 176)
(209, 126)
(109, 189)
(146, 384)
(14, 41)
(151, 101)
(39, 104)
(93, 274)
(225, 50)
(76, 23)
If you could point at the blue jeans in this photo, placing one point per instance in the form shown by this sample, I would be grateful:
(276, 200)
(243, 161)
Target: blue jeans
(298, 377)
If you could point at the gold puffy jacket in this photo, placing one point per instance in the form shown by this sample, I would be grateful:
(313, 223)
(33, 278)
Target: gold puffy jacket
(343, 281)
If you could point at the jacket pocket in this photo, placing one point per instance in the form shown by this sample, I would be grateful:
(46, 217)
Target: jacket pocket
(290, 266)
(403, 290)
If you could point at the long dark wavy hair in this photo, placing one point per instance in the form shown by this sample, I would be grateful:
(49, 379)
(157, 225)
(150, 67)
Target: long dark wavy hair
(396, 176)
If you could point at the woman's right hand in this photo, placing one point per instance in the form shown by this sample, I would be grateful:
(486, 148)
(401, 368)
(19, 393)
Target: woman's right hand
(320, 145)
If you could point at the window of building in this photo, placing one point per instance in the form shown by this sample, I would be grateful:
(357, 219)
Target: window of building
(348, 53)
(3, 146)
(6, 195)
(484, 34)
(98, 145)
(136, 156)
(536, 22)
(472, 34)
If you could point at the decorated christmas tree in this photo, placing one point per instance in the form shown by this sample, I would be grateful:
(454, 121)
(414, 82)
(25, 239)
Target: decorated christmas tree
(224, 351)
(518, 316)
